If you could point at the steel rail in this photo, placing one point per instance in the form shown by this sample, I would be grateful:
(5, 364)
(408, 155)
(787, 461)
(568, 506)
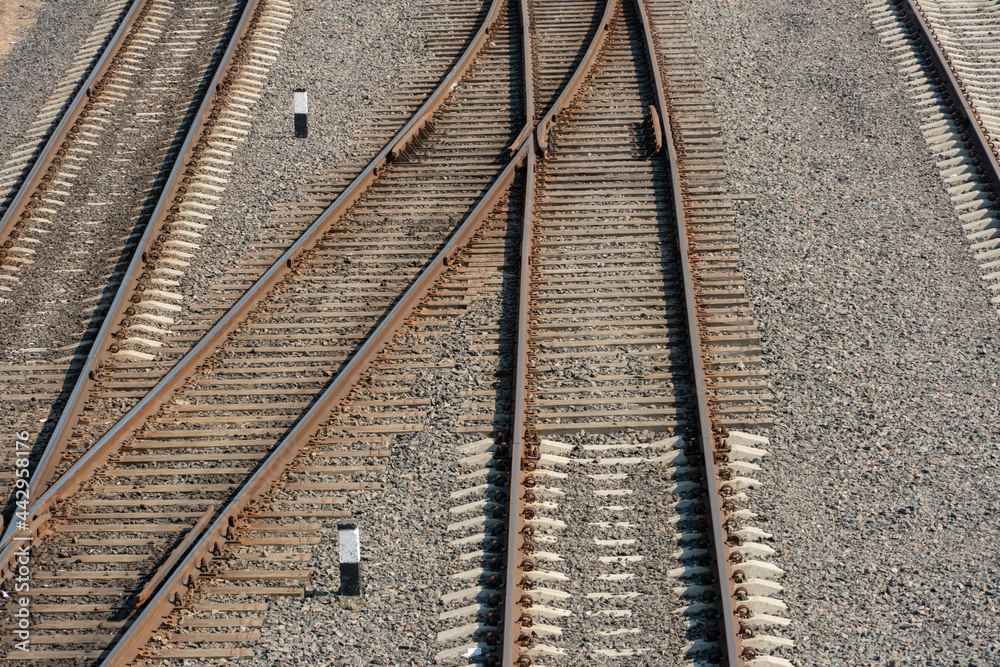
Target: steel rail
(61, 433)
(271, 469)
(569, 92)
(81, 470)
(523, 448)
(529, 80)
(70, 116)
(732, 651)
(514, 516)
(967, 113)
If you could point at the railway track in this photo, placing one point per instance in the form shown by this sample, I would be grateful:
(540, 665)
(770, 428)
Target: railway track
(583, 307)
(612, 317)
(146, 276)
(129, 359)
(945, 51)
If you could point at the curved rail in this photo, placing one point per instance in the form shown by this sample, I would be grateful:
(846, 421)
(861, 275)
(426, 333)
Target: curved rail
(529, 87)
(13, 215)
(725, 590)
(956, 91)
(271, 469)
(569, 92)
(218, 334)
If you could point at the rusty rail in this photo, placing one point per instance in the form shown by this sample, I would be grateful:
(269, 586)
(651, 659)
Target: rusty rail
(569, 92)
(56, 445)
(523, 452)
(218, 334)
(271, 469)
(515, 521)
(529, 86)
(12, 216)
(966, 113)
(725, 589)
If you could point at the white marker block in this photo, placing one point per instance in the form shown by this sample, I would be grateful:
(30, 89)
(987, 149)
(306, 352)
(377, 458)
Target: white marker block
(301, 108)
(350, 558)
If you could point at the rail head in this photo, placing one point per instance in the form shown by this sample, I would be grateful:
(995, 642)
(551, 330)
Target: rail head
(579, 76)
(270, 470)
(218, 334)
(523, 448)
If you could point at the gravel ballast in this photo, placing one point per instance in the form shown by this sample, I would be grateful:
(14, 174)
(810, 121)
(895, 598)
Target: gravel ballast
(884, 452)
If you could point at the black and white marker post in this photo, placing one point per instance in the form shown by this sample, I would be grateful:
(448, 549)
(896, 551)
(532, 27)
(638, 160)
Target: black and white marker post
(350, 558)
(301, 113)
